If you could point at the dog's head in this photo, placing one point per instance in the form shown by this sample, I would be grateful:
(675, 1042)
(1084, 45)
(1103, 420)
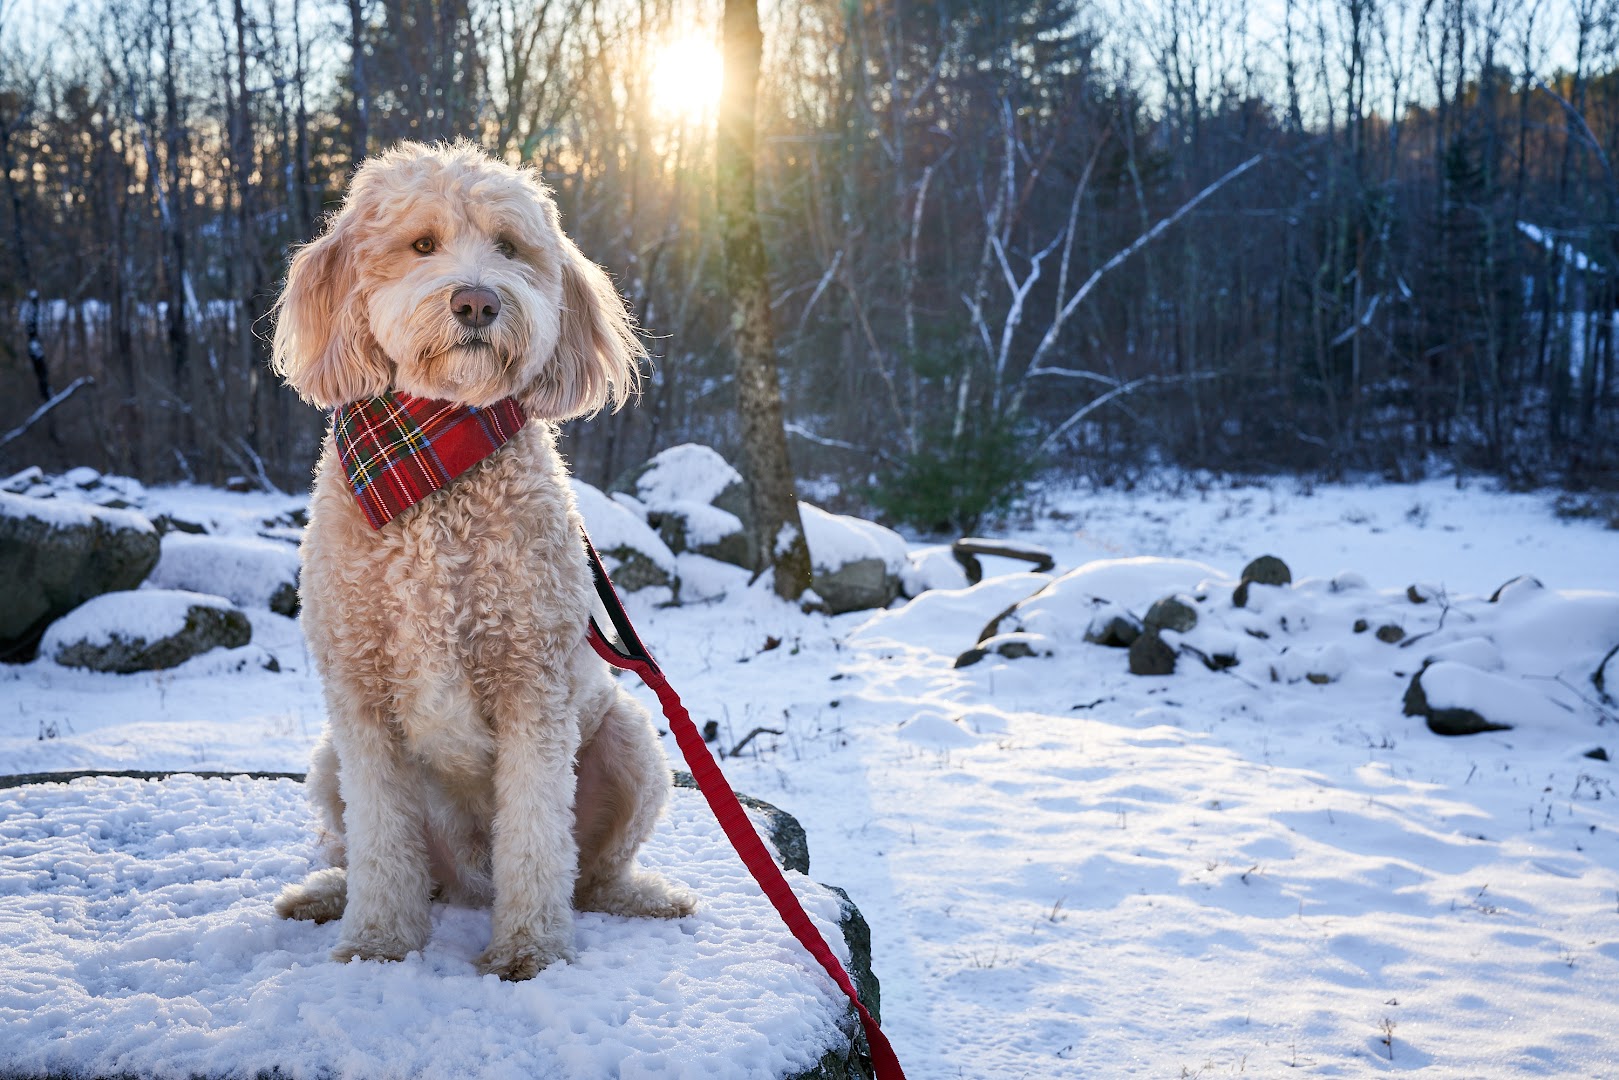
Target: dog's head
(447, 275)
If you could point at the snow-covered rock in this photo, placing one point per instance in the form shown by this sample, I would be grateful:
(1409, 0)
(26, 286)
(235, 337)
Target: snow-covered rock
(932, 568)
(246, 570)
(635, 557)
(856, 564)
(697, 502)
(139, 941)
(55, 554)
(144, 630)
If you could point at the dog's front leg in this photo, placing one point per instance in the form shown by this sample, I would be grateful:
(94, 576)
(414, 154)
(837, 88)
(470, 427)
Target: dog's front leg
(536, 857)
(388, 913)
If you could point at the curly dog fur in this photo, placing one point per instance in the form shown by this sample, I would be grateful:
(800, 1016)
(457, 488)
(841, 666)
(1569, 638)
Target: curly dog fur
(476, 748)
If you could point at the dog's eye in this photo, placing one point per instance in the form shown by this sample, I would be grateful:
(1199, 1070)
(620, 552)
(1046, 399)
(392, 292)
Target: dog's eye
(506, 248)
(425, 245)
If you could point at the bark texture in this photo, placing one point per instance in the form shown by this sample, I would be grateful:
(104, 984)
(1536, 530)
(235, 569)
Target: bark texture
(780, 533)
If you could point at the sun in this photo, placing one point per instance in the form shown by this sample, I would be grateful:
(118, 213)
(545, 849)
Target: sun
(686, 78)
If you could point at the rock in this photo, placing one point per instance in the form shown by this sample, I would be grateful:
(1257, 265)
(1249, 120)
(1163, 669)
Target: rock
(1421, 593)
(1114, 628)
(56, 554)
(1348, 581)
(1361, 626)
(247, 571)
(1171, 613)
(787, 836)
(19, 482)
(1597, 754)
(1522, 585)
(932, 568)
(855, 586)
(1151, 655)
(1013, 646)
(1390, 633)
(167, 523)
(1267, 570)
(633, 554)
(144, 630)
(855, 564)
(697, 502)
(1447, 719)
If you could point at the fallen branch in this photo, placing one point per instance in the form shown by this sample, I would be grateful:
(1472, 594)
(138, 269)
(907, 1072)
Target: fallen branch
(736, 750)
(1118, 391)
(40, 413)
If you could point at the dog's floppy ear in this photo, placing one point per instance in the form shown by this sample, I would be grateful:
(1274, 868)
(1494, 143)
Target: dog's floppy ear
(597, 358)
(323, 347)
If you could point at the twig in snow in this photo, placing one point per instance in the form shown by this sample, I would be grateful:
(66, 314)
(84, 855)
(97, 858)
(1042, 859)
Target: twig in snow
(746, 739)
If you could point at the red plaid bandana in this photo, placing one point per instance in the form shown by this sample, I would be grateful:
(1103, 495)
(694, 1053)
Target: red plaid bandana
(397, 449)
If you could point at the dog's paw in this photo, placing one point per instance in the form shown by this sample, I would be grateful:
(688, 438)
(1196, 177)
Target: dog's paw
(641, 895)
(368, 941)
(520, 960)
(319, 898)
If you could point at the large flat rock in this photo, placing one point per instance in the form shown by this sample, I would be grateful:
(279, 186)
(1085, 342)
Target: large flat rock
(137, 939)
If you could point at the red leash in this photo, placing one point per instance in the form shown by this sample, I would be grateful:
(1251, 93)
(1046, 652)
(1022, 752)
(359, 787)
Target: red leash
(630, 654)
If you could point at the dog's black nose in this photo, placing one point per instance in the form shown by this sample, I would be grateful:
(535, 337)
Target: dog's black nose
(476, 308)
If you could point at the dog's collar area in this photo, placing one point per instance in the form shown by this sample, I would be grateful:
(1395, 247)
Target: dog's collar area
(397, 449)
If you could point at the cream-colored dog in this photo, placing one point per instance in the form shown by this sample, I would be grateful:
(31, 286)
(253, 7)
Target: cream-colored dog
(477, 749)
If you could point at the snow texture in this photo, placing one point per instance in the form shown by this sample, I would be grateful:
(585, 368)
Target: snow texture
(688, 473)
(613, 527)
(70, 513)
(246, 570)
(836, 540)
(135, 615)
(137, 936)
(1068, 870)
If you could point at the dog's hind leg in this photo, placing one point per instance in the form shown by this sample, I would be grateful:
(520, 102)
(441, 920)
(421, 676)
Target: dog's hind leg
(320, 897)
(623, 784)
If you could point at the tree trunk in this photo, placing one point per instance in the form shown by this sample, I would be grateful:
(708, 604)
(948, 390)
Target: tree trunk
(778, 529)
(361, 131)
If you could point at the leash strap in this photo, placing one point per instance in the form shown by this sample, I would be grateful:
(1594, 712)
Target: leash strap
(617, 643)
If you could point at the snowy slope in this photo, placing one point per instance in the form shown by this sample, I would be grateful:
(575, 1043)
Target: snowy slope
(1073, 871)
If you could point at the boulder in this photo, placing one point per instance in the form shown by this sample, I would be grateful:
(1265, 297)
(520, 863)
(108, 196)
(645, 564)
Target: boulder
(246, 570)
(144, 630)
(1265, 570)
(633, 554)
(697, 502)
(55, 554)
(1268, 570)
(1177, 613)
(1113, 627)
(1452, 698)
(1514, 588)
(1151, 655)
(855, 564)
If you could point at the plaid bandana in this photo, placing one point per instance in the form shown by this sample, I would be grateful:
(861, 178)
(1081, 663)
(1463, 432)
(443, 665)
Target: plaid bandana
(397, 449)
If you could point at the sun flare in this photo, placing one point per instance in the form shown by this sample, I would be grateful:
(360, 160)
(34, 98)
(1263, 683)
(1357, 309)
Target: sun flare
(686, 78)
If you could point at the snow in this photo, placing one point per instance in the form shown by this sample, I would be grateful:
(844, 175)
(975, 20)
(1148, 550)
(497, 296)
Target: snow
(688, 473)
(931, 568)
(836, 540)
(1069, 870)
(135, 615)
(138, 938)
(246, 570)
(612, 526)
(69, 513)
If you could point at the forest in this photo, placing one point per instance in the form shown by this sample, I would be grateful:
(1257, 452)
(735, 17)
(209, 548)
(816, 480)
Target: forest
(1324, 237)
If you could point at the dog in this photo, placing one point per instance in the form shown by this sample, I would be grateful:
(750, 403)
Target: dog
(477, 750)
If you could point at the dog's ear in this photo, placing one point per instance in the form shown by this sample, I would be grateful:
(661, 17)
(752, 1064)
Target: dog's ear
(323, 347)
(597, 358)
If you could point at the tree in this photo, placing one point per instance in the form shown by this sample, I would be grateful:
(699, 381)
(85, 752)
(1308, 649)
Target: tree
(777, 527)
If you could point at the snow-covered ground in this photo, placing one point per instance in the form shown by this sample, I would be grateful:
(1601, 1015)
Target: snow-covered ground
(1070, 870)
